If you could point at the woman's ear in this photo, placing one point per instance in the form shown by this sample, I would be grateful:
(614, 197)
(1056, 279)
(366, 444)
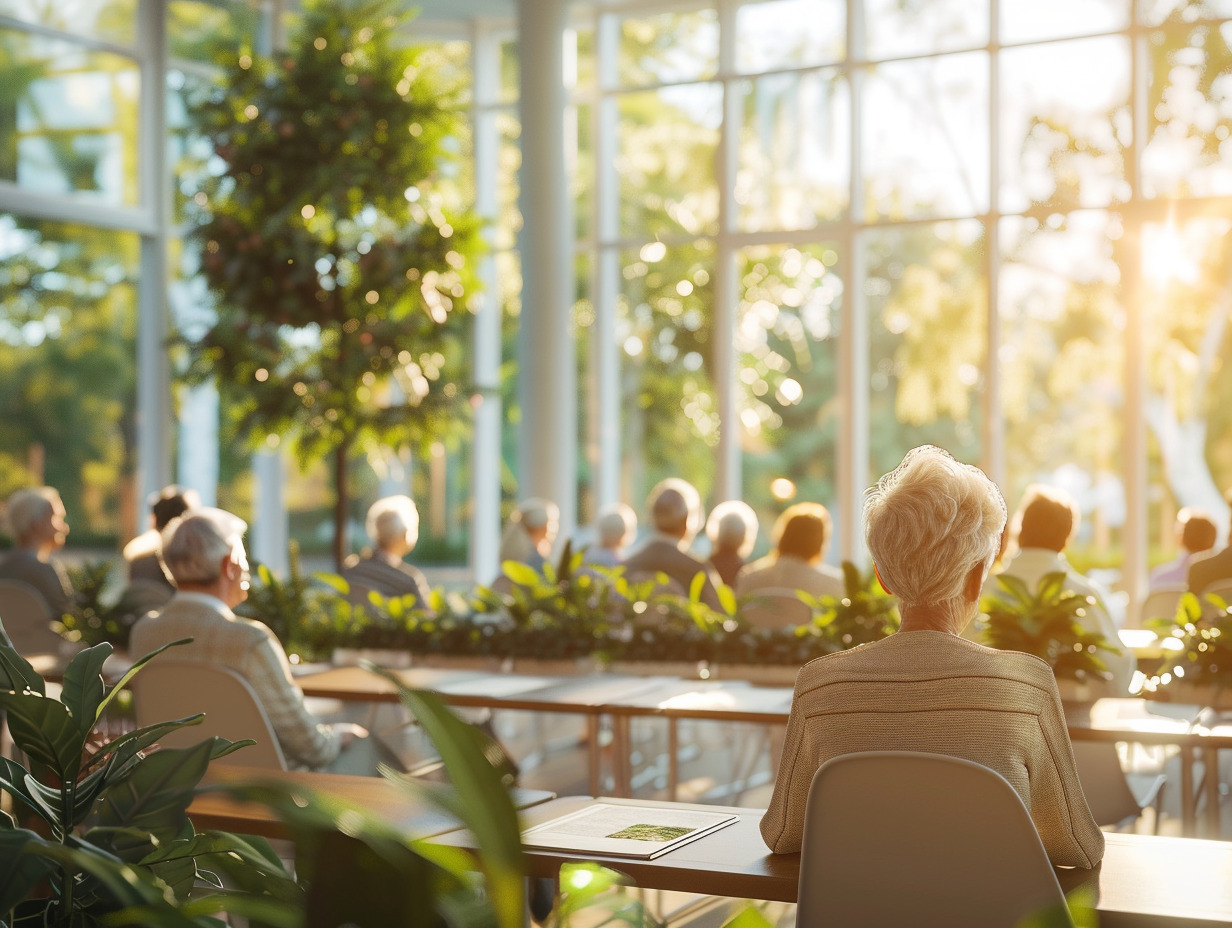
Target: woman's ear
(973, 585)
(889, 591)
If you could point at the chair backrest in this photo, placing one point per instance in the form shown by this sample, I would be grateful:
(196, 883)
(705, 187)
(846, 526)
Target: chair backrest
(896, 838)
(776, 607)
(1160, 604)
(27, 618)
(165, 690)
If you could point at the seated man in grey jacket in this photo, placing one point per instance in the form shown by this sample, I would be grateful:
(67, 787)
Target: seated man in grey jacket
(204, 551)
(676, 513)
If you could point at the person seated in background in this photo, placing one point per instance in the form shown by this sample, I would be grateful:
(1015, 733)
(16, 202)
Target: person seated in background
(1211, 569)
(141, 554)
(530, 532)
(37, 521)
(933, 527)
(393, 526)
(1195, 535)
(615, 527)
(676, 513)
(1046, 521)
(732, 530)
(801, 536)
(204, 552)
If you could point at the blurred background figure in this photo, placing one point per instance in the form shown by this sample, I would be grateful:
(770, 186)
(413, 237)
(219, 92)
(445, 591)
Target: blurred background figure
(530, 532)
(37, 522)
(1211, 569)
(801, 537)
(393, 527)
(142, 553)
(1195, 534)
(615, 528)
(675, 509)
(732, 530)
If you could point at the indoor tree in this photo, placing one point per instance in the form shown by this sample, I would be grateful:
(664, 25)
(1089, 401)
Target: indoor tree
(340, 263)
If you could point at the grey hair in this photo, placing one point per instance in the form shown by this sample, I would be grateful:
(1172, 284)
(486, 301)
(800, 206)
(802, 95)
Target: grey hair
(29, 508)
(195, 544)
(928, 522)
(391, 519)
(616, 525)
(733, 524)
(531, 515)
(673, 504)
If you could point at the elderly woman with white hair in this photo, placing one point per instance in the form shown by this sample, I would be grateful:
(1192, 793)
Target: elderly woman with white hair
(393, 526)
(933, 527)
(37, 521)
(530, 531)
(732, 530)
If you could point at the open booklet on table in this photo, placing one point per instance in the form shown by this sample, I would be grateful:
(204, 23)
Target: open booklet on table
(625, 829)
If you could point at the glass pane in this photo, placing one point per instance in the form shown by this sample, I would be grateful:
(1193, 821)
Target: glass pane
(71, 123)
(668, 48)
(508, 188)
(1061, 363)
(1186, 292)
(794, 150)
(670, 421)
(201, 31)
(1065, 123)
(114, 20)
(510, 75)
(67, 383)
(927, 305)
(894, 28)
(1178, 12)
(579, 126)
(585, 67)
(667, 152)
(925, 143)
(1188, 152)
(1029, 20)
(787, 352)
(789, 33)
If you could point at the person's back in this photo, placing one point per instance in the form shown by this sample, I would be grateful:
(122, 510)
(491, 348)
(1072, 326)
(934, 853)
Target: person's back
(37, 521)
(801, 536)
(675, 512)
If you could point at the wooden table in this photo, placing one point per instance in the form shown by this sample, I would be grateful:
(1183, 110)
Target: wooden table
(376, 795)
(1143, 880)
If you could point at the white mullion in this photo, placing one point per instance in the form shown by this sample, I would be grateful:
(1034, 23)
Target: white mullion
(993, 438)
(728, 483)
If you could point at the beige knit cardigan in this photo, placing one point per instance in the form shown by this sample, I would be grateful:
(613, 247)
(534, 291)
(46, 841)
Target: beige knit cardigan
(930, 691)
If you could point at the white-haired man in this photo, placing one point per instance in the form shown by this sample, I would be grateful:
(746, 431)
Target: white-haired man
(933, 527)
(37, 520)
(676, 513)
(393, 526)
(204, 552)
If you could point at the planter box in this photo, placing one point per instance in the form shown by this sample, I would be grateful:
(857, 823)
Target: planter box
(561, 667)
(382, 657)
(689, 670)
(486, 663)
(758, 674)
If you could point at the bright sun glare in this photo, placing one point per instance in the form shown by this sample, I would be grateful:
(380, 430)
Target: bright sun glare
(1166, 257)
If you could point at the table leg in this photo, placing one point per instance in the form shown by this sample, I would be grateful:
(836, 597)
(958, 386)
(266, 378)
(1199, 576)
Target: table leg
(594, 752)
(1210, 760)
(622, 746)
(673, 759)
(1189, 817)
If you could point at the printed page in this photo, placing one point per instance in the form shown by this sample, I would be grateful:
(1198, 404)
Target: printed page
(625, 830)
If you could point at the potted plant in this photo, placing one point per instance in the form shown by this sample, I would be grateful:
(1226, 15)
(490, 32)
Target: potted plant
(1046, 623)
(1201, 671)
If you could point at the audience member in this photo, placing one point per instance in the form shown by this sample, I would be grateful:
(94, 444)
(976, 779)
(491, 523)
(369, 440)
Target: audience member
(1046, 521)
(676, 513)
(933, 526)
(1195, 535)
(614, 528)
(141, 554)
(36, 520)
(393, 526)
(732, 530)
(801, 536)
(204, 552)
(1211, 569)
(529, 533)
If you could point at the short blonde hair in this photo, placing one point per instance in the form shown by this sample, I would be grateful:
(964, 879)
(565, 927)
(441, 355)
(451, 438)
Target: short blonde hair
(391, 519)
(929, 522)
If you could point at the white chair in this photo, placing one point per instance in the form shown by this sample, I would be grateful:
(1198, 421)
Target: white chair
(895, 838)
(775, 607)
(1114, 796)
(1160, 603)
(27, 618)
(165, 690)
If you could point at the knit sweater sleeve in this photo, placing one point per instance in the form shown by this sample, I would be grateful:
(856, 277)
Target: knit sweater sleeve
(1059, 807)
(782, 827)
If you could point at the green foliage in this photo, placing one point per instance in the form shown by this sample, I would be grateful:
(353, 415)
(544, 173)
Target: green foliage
(587, 889)
(1205, 631)
(340, 265)
(92, 619)
(1045, 623)
(864, 613)
(113, 838)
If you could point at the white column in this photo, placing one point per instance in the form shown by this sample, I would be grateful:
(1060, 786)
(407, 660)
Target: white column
(993, 443)
(727, 484)
(486, 347)
(154, 414)
(197, 462)
(268, 530)
(547, 376)
(606, 272)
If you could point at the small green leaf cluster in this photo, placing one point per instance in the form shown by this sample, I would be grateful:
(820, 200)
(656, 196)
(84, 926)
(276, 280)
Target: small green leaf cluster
(1204, 628)
(91, 619)
(1045, 623)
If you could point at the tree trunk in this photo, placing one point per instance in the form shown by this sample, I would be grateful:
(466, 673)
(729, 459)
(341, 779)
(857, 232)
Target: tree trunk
(342, 544)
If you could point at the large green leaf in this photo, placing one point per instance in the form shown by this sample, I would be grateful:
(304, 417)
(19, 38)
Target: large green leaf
(249, 863)
(521, 574)
(131, 743)
(20, 872)
(17, 674)
(83, 686)
(46, 731)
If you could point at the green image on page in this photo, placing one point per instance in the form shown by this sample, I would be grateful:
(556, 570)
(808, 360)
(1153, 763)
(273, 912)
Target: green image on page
(651, 832)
